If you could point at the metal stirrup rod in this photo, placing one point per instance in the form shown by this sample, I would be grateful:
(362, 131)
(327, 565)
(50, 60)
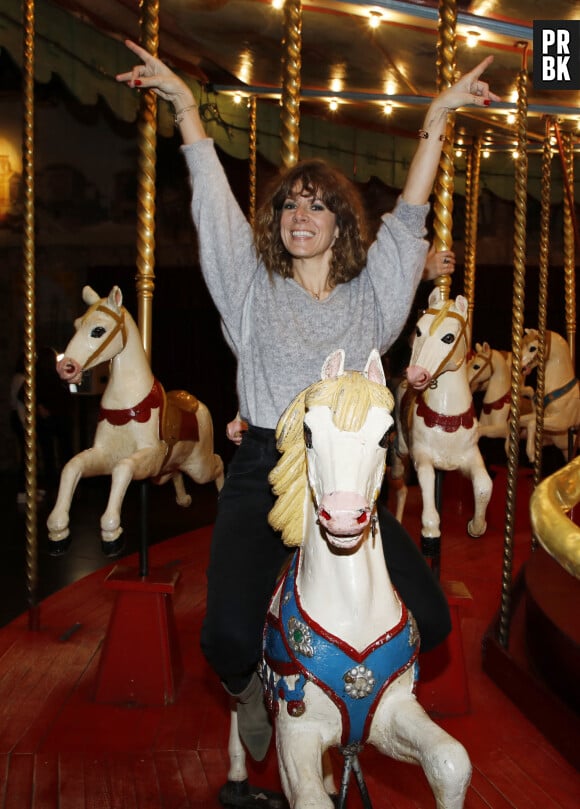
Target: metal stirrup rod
(352, 764)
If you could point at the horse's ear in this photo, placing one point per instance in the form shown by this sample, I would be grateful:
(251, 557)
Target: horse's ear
(333, 365)
(478, 348)
(90, 296)
(486, 348)
(115, 298)
(434, 296)
(374, 368)
(461, 305)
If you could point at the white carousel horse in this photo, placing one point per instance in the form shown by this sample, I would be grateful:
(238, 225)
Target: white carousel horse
(489, 370)
(436, 422)
(143, 432)
(340, 648)
(561, 391)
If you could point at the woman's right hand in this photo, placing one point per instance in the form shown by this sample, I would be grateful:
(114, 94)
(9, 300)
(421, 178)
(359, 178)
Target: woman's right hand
(154, 75)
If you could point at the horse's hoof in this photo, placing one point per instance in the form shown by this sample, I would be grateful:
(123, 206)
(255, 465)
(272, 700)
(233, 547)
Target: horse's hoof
(473, 534)
(239, 794)
(113, 548)
(58, 547)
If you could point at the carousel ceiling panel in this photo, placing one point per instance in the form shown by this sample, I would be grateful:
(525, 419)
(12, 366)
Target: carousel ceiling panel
(235, 45)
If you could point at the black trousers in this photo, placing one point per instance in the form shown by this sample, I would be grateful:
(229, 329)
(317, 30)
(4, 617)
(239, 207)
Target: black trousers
(246, 557)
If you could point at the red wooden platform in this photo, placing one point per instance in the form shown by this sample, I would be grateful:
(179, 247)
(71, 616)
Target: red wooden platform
(62, 749)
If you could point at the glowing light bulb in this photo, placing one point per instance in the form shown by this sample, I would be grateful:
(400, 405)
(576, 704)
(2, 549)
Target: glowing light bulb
(388, 108)
(472, 39)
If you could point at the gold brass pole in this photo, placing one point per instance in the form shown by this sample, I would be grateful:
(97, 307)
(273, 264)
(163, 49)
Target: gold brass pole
(444, 182)
(569, 246)
(147, 149)
(543, 301)
(252, 160)
(291, 83)
(28, 246)
(472, 205)
(521, 177)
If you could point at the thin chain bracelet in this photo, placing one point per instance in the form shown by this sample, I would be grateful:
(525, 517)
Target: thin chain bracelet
(178, 117)
(422, 133)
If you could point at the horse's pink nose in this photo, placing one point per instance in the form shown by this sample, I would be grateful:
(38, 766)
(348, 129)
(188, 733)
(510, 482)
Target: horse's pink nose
(69, 370)
(418, 377)
(344, 513)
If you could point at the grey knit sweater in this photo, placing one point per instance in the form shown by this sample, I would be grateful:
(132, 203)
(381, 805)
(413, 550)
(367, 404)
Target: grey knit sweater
(279, 334)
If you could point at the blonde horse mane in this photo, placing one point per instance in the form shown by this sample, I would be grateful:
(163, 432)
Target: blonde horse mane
(349, 397)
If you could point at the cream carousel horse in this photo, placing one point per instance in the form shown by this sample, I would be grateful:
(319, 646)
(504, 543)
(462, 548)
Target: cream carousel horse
(340, 649)
(436, 422)
(142, 431)
(561, 391)
(489, 370)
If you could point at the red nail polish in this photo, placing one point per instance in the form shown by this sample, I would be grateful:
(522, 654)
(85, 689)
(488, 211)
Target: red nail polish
(137, 82)
(487, 102)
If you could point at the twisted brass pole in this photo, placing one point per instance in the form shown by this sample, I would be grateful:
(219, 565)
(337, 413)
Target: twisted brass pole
(467, 242)
(472, 206)
(291, 83)
(543, 301)
(569, 247)
(28, 247)
(252, 159)
(519, 258)
(147, 150)
(444, 182)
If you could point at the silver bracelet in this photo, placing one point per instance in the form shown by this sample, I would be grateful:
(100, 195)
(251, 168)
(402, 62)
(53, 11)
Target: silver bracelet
(178, 117)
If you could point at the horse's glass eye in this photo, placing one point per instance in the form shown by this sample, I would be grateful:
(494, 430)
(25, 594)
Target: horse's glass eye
(533, 349)
(98, 331)
(448, 338)
(476, 367)
(385, 440)
(307, 436)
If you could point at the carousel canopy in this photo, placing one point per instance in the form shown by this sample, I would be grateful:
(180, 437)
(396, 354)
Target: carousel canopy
(367, 70)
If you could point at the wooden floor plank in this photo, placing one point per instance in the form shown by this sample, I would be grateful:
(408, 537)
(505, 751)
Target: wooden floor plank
(18, 794)
(98, 792)
(122, 777)
(170, 777)
(46, 782)
(147, 783)
(195, 781)
(71, 781)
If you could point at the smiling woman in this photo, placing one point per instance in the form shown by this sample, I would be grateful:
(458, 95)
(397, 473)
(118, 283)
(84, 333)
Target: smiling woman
(310, 236)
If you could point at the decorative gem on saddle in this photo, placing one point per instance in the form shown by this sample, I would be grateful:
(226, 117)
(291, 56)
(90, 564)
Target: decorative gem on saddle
(360, 682)
(300, 638)
(297, 650)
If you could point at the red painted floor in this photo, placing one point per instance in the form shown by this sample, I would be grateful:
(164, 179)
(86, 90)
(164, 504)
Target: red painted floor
(61, 748)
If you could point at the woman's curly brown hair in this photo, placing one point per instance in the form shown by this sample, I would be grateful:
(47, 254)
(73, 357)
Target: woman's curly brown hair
(318, 179)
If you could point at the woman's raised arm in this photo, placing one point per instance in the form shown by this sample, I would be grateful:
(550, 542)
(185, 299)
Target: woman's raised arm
(468, 90)
(153, 74)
